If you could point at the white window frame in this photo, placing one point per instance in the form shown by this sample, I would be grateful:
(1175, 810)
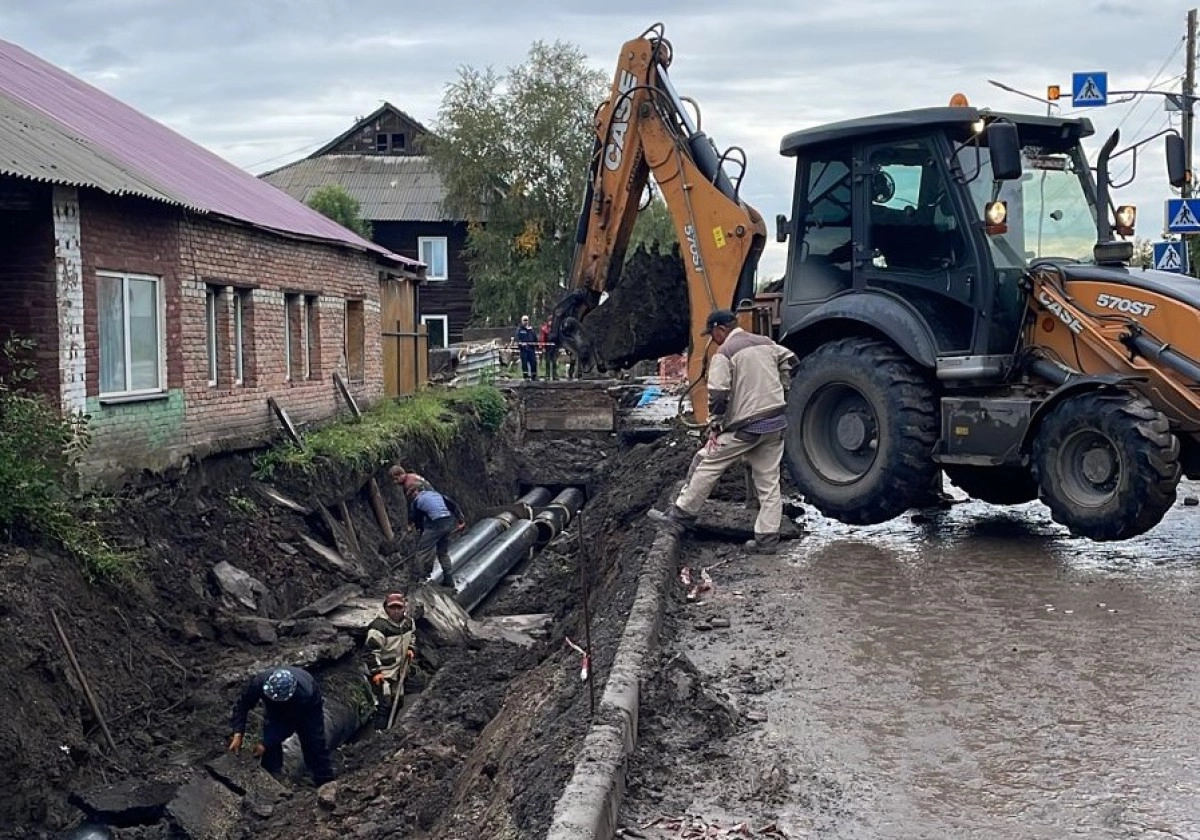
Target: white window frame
(212, 294)
(445, 319)
(288, 299)
(305, 339)
(160, 307)
(445, 248)
(239, 338)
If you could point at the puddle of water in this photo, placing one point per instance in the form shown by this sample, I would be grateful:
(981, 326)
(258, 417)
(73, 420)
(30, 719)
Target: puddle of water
(979, 674)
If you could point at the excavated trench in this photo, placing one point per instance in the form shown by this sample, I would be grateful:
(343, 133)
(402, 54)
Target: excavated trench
(238, 574)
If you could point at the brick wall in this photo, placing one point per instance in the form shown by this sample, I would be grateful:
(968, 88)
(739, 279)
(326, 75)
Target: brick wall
(27, 274)
(192, 255)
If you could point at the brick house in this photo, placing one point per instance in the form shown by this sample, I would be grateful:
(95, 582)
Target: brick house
(379, 161)
(170, 293)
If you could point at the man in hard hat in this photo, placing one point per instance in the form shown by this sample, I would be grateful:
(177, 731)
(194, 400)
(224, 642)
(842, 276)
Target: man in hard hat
(292, 704)
(747, 416)
(389, 651)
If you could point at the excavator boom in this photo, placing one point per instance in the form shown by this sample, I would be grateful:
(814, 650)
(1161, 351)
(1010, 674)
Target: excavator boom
(645, 130)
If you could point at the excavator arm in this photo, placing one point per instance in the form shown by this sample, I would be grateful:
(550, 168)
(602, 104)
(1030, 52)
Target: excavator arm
(643, 130)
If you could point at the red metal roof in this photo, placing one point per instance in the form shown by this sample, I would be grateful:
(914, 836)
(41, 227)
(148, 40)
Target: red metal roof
(153, 155)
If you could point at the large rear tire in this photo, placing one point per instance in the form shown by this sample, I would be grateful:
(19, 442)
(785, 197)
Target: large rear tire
(994, 485)
(862, 423)
(1107, 465)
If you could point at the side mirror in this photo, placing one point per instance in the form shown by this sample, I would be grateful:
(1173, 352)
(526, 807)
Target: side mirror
(1004, 149)
(1177, 173)
(781, 228)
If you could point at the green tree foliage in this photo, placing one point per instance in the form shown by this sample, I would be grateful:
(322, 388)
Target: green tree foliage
(513, 154)
(333, 201)
(654, 228)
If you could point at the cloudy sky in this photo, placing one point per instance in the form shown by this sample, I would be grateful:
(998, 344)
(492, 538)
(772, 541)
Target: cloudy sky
(263, 82)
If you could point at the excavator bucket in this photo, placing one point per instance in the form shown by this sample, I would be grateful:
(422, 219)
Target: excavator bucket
(645, 315)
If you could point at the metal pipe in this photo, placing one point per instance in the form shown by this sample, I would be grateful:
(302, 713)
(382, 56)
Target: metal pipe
(485, 531)
(555, 517)
(483, 572)
(348, 708)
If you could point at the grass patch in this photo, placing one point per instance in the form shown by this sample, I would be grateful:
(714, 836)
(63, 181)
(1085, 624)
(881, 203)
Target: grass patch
(431, 418)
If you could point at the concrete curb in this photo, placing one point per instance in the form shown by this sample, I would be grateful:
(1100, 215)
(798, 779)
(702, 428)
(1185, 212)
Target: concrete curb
(590, 804)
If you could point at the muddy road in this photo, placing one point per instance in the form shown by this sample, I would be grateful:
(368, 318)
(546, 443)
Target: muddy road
(976, 673)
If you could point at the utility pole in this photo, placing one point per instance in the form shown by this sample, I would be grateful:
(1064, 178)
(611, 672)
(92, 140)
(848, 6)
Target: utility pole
(1189, 88)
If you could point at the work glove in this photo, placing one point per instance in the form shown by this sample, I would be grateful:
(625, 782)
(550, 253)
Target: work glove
(258, 750)
(235, 743)
(411, 653)
(377, 678)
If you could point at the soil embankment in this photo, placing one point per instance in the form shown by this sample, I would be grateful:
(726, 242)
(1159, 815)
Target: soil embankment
(483, 750)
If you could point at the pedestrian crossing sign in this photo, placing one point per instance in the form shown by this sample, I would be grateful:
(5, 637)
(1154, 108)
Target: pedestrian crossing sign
(1183, 215)
(1171, 256)
(1089, 90)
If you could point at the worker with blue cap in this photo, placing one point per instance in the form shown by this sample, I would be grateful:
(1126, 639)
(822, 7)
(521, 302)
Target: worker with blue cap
(292, 704)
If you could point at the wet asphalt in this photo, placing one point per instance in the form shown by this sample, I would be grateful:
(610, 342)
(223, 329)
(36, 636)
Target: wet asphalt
(977, 673)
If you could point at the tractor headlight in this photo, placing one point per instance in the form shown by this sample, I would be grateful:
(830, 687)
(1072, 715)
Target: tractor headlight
(1126, 219)
(995, 217)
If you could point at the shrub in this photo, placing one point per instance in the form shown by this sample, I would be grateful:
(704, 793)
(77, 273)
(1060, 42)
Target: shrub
(38, 451)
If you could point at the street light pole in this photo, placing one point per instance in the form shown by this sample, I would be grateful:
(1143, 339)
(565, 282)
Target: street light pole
(1047, 102)
(1189, 85)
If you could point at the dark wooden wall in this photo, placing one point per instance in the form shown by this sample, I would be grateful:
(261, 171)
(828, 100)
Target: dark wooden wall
(451, 296)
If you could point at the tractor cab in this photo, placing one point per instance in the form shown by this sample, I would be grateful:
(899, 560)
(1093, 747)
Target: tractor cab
(920, 226)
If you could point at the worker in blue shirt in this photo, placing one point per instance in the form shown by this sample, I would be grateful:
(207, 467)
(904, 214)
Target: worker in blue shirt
(437, 517)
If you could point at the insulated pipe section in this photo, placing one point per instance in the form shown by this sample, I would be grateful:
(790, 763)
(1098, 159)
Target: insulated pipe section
(485, 570)
(485, 531)
(554, 519)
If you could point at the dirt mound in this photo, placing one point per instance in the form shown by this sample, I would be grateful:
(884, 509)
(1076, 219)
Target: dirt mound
(645, 316)
(165, 650)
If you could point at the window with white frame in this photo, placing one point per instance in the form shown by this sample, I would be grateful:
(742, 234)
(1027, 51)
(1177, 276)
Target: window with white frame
(211, 300)
(130, 325)
(433, 253)
(291, 326)
(239, 336)
(437, 328)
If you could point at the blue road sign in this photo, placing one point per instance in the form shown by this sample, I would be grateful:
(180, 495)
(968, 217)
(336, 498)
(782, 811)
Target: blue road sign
(1183, 215)
(1171, 256)
(1089, 90)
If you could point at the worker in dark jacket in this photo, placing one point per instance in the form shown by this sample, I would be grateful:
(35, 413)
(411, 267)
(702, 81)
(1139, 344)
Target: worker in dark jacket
(292, 704)
(527, 342)
(437, 517)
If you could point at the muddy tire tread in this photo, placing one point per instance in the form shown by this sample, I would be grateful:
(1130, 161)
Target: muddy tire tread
(912, 425)
(1153, 480)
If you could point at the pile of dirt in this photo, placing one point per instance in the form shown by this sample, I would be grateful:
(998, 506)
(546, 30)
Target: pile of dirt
(165, 650)
(646, 314)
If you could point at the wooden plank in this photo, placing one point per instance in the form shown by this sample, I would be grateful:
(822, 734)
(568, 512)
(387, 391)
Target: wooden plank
(348, 522)
(286, 421)
(275, 496)
(336, 532)
(329, 602)
(381, 514)
(345, 392)
(332, 559)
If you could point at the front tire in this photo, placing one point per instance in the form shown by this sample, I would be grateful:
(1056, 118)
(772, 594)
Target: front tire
(1107, 465)
(863, 421)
